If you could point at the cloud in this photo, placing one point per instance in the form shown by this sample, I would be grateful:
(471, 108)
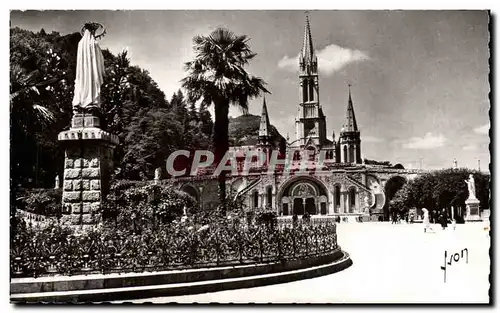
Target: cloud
(469, 147)
(371, 139)
(330, 59)
(429, 141)
(483, 130)
(289, 63)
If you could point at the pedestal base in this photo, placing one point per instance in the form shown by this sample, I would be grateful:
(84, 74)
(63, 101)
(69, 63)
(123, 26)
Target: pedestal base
(87, 165)
(473, 214)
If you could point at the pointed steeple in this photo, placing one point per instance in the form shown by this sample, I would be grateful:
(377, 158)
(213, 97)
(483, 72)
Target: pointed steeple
(308, 59)
(264, 121)
(307, 46)
(351, 125)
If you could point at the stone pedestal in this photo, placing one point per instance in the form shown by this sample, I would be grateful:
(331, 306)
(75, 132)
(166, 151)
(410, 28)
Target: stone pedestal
(472, 210)
(366, 218)
(485, 215)
(87, 166)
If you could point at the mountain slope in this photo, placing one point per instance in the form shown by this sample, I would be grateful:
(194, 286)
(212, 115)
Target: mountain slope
(244, 131)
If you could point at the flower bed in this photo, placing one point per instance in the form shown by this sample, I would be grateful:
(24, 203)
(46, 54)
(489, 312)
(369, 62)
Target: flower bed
(55, 250)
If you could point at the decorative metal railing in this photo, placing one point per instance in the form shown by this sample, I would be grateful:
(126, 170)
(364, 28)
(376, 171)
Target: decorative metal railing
(32, 218)
(42, 254)
(287, 221)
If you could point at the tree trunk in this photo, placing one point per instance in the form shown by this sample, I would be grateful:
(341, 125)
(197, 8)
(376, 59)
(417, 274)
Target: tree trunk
(221, 144)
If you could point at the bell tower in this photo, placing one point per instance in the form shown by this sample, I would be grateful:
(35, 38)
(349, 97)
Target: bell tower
(310, 123)
(350, 142)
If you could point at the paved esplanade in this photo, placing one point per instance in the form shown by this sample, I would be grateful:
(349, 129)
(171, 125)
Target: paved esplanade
(392, 263)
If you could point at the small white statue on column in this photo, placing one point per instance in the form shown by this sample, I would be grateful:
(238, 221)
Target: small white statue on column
(455, 163)
(157, 176)
(184, 214)
(473, 205)
(471, 186)
(57, 184)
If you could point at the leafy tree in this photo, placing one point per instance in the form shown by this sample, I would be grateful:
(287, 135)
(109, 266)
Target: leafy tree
(116, 90)
(442, 189)
(217, 76)
(150, 139)
(375, 162)
(193, 114)
(206, 123)
(398, 202)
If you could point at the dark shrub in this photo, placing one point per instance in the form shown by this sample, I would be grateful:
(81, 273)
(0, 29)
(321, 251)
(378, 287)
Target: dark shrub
(136, 206)
(41, 201)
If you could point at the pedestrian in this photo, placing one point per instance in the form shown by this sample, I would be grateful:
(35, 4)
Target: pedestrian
(427, 223)
(443, 219)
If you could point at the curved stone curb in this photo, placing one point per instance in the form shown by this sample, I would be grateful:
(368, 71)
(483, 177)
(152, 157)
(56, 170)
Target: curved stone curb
(136, 279)
(175, 289)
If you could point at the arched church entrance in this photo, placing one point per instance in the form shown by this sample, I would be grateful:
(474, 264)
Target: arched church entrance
(298, 206)
(304, 194)
(322, 205)
(310, 206)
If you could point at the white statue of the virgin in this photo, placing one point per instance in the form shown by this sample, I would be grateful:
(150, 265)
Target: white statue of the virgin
(89, 70)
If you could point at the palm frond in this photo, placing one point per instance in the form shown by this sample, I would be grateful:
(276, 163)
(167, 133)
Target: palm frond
(43, 113)
(217, 71)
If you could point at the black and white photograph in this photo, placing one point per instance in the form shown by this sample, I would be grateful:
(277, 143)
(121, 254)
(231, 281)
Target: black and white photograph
(306, 156)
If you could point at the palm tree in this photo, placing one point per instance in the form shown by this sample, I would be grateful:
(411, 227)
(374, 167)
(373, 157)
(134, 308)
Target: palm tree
(25, 92)
(31, 89)
(217, 76)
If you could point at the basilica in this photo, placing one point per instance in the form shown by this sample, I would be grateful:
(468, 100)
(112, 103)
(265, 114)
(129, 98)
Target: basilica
(342, 186)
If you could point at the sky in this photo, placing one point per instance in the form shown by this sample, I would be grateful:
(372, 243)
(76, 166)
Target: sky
(419, 78)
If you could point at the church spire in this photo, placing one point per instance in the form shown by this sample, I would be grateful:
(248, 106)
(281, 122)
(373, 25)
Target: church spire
(264, 122)
(351, 125)
(308, 60)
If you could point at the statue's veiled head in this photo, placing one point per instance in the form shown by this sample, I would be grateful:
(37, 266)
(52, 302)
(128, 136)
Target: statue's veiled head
(96, 29)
